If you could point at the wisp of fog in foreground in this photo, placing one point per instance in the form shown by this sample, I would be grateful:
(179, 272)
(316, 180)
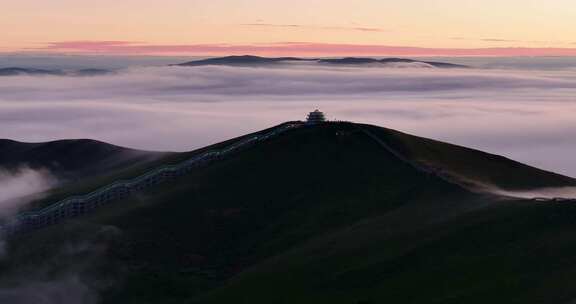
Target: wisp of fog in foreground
(20, 186)
(528, 115)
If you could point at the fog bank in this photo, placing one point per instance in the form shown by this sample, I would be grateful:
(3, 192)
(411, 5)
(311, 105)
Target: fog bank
(18, 187)
(525, 114)
(543, 193)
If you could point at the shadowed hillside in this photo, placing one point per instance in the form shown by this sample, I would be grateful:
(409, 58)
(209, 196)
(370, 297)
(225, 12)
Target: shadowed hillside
(472, 166)
(71, 159)
(324, 214)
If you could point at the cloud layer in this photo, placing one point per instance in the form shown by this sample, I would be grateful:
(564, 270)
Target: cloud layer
(545, 193)
(527, 115)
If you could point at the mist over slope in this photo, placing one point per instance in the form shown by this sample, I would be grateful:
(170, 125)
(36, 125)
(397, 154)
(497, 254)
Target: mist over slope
(70, 159)
(20, 186)
(32, 172)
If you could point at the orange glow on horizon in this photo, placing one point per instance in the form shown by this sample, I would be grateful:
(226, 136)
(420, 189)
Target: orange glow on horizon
(286, 49)
(171, 27)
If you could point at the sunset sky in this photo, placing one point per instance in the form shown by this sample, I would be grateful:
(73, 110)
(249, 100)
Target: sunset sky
(300, 27)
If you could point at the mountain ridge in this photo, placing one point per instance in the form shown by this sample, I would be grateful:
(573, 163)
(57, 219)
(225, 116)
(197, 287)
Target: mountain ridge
(72, 159)
(250, 60)
(324, 214)
(477, 181)
(19, 71)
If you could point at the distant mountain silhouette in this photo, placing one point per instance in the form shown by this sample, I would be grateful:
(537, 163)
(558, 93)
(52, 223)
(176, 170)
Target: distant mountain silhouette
(350, 60)
(243, 60)
(17, 71)
(90, 72)
(359, 61)
(248, 60)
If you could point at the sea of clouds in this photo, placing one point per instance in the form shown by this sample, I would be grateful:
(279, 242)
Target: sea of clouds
(527, 113)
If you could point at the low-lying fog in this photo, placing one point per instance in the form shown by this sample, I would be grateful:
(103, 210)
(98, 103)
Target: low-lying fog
(526, 113)
(19, 184)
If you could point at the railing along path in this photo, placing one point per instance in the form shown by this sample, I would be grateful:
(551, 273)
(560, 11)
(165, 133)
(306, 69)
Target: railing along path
(78, 205)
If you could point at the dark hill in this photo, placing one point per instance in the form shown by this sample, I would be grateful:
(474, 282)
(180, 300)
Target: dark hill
(242, 60)
(372, 61)
(72, 159)
(248, 60)
(14, 71)
(350, 60)
(321, 214)
(91, 72)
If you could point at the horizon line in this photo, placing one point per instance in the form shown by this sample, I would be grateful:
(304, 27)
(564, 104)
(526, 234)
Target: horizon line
(137, 48)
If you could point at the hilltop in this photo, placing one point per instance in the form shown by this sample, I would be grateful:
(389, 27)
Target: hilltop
(248, 60)
(332, 213)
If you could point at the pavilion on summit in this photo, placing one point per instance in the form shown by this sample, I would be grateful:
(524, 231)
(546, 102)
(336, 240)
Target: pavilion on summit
(315, 117)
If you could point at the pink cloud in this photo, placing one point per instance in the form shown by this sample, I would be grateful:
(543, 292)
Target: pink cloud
(292, 48)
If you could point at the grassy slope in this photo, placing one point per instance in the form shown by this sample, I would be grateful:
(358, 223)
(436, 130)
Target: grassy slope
(515, 253)
(471, 164)
(325, 215)
(71, 159)
(424, 252)
(78, 165)
(130, 169)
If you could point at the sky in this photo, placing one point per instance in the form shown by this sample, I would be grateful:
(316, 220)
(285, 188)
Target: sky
(297, 27)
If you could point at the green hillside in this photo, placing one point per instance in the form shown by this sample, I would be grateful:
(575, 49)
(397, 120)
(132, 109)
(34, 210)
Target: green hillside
(323, 214)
